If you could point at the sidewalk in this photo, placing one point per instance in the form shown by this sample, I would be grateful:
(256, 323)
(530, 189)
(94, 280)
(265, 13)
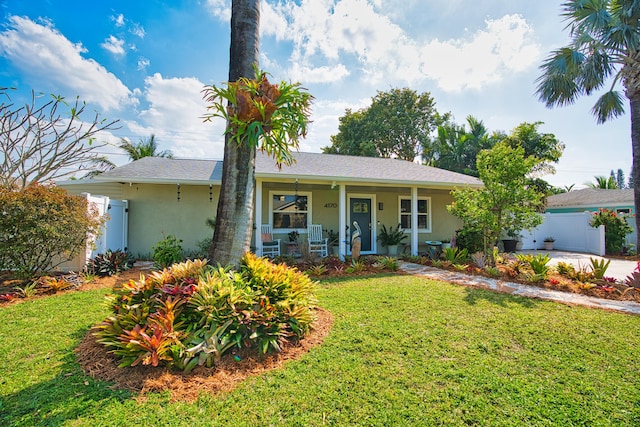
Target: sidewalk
(519, 289)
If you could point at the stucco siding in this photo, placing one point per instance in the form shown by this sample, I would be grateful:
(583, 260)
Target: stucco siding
(155, 212)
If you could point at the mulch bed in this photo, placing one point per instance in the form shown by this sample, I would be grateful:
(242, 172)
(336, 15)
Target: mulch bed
(224, 377)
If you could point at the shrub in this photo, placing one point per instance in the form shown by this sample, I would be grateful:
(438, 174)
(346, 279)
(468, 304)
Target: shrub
(167, 251)
(191, 314)
(455, 255)
(41, 227)
(615, 229)
(110, 263)
(469, 239)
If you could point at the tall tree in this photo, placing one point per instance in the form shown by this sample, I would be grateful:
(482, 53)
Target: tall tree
(144, 148)
(605, 44)
(271, 117)
(620, 179)
(506, 203)
(232, 234)
(456, 149)
(398, 123)
(543, 146)
(603, 183)
(45, 140)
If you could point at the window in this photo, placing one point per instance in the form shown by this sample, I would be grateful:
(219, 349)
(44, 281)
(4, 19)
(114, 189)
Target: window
(289, 211)
(424, 220)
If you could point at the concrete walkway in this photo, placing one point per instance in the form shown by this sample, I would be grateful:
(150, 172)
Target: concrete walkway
(520, 289)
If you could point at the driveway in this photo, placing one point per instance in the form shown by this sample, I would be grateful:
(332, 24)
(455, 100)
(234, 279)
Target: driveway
(618, 268)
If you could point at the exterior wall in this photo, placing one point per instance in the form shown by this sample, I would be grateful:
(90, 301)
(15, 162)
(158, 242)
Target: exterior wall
(155, 212)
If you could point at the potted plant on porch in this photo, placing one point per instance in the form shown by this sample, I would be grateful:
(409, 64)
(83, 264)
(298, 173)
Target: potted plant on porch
(333, 241)
(391, 239)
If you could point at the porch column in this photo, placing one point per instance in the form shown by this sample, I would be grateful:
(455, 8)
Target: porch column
(342, 222)
(414, 220)
(257, 236)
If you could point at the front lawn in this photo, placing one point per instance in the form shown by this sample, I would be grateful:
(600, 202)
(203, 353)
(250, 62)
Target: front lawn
(403, 351)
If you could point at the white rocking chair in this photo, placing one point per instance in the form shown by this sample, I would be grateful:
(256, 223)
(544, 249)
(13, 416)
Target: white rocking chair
(270, 247)
(317, 244)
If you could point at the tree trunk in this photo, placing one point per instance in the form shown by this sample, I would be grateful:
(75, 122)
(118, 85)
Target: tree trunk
(234, 219)
(635, 149)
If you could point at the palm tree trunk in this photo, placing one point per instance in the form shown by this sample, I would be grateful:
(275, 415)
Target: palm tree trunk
(635, 149)
(234, 219)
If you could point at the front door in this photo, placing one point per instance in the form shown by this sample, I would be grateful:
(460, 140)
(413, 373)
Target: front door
(360, 211)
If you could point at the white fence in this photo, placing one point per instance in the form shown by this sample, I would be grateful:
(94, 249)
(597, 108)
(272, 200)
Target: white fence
(114, 231)
(571, 231)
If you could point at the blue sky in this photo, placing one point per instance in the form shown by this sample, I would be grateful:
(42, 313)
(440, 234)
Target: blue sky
(145, 63)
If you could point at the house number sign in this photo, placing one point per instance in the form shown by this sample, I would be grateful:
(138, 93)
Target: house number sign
(331, 205)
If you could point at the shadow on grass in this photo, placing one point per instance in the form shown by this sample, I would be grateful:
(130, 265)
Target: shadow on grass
(473, 295)
(67, 396)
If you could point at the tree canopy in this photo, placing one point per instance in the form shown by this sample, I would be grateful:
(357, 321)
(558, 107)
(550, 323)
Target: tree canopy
(603, 50)
(398, 123)
(144, 148)
(506, 203)
(47, 139)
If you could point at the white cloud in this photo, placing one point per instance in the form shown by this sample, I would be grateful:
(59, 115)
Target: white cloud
(53, 62)
(138, 30)
(174, 115)
(143, 63)
(114, 45)
(119, 20)
(505, 46)
(354, 38)
(221, 9)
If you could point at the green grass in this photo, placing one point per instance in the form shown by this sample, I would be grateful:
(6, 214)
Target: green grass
(402, 351)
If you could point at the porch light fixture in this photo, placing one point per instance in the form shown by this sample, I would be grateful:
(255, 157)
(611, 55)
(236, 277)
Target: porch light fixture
(380, 206)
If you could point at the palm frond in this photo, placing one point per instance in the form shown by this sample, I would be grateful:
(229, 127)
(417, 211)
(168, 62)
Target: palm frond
(608, 106)
(586, 15)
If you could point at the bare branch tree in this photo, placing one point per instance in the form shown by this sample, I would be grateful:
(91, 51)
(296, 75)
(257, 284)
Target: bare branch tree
(40, 142)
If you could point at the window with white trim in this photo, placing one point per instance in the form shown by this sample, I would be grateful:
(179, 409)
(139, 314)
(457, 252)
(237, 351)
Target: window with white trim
(289, 211)
(424, 213)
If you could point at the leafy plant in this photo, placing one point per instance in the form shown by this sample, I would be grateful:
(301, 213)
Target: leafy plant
(616, 229)
(599, 267)
(356, 266)
(210, 348)
(167, 251)
(27, 291)
(455, 255)
(549, 239)
(538, 264)
(317, 270)
(332, 237)
(460, 267)
(388, 263)
(390, 237)
(110, 263)
(633, 280)
(55, 284)
(565, 269)
(190, 314)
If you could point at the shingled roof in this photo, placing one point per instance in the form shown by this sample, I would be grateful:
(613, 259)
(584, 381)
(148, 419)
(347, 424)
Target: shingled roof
(312, 166)
(591, 197)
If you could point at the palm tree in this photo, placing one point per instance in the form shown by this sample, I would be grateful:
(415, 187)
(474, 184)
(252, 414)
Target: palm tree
(603, 183)
(604, 47)
(145, 148)
(232, 235)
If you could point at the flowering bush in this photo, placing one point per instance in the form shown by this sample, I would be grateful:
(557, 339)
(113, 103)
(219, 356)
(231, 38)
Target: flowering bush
(615, 229)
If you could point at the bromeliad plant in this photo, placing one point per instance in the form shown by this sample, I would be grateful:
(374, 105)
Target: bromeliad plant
(267, 116)
(191, 314)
